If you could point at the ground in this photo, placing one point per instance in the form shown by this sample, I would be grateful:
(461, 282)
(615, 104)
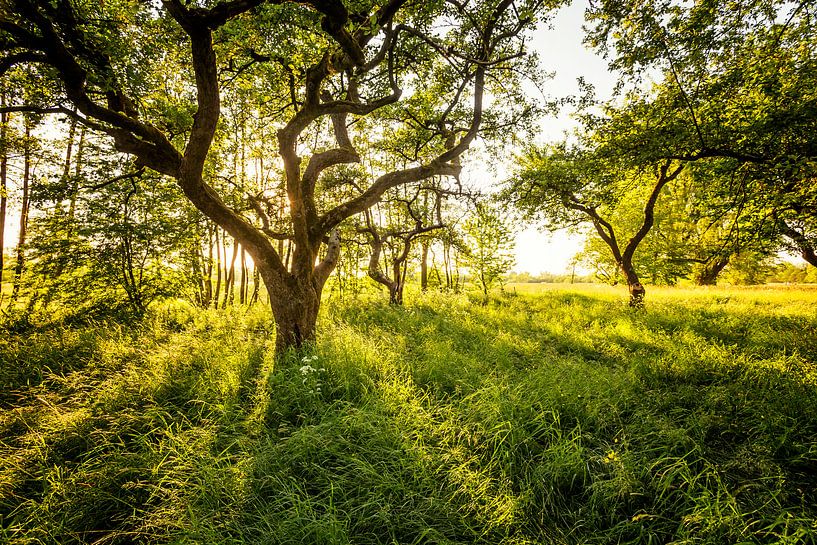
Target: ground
(560, 416)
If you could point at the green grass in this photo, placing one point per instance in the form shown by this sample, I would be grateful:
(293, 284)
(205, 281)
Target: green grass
(555, 417)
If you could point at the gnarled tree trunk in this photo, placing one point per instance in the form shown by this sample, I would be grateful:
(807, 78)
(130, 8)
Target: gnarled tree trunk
(636, 289)
(708, 275)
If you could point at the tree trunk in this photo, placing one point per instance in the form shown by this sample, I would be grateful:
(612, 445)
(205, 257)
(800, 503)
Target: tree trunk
(637, 291)
(242, 292)
(73, 190)
(424, 266)
(218, 269)
(229, 283)
(295, 308)
(708, 276)
(208, 270)
(256, 285)
(447, 266)
(21, 241)
(4, 119)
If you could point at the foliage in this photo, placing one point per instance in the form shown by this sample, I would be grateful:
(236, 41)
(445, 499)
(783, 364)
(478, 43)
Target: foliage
(490, 244)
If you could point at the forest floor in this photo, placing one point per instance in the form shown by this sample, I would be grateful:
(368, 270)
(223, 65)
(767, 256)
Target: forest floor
(555, 417)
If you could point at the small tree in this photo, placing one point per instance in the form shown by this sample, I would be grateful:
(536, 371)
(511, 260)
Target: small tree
(490, 247)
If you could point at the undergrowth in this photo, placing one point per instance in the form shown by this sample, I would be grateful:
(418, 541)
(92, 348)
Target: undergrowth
(559, 417)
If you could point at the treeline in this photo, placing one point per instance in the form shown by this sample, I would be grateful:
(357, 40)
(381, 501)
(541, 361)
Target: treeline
(102, 235)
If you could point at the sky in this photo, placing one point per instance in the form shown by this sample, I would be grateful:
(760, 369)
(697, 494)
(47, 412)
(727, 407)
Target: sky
(562, 53)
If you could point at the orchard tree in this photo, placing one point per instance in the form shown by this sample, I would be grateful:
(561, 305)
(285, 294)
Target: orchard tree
(564, 186)
(738, 92)
(490, 243)
(400, 222)
(321, 64)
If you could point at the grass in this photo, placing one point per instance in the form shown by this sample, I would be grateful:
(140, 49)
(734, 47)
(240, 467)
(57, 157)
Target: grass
(553, 417)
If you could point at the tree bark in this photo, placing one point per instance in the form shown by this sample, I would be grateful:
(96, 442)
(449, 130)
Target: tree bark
(229, 285)
(4, 119)
(256, 285)
(21, 241)
(217, 266)
(242, 291)
(208, 275)
(295, 298)
(424, 266)
(708, 275)
(295, 315)
(637, 291)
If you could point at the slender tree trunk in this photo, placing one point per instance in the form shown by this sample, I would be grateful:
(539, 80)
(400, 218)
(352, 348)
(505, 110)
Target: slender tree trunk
(229, 286)
(449, 284)
(218, 269)
(708, 275)
(242, 291)
(226, 284)
(4, 119)
(21, 241)
(256, 285)
(208, 268)
(73, 189)
(424, 266)
(396, 287)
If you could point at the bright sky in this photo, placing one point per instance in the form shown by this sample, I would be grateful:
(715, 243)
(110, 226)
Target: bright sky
(563, 54)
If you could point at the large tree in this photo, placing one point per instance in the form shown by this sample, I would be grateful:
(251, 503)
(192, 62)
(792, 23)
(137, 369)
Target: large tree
(423, 67)
(738, 93)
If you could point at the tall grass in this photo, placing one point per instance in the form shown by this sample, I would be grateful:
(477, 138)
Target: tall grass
(557, 417)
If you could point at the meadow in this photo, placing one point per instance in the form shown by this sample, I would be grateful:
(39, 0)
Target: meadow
(549, 415)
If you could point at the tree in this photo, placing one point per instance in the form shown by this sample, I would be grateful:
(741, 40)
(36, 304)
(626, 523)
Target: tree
(407, 220)
(738, 92)
(108, 235)
(565, 186)
(490, 244)
(4, 121)
(328, 63)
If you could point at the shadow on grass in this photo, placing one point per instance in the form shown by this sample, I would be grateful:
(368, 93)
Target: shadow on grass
(528, 420)
(123, 462)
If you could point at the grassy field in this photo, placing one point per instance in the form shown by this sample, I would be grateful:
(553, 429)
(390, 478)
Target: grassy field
(560, 416)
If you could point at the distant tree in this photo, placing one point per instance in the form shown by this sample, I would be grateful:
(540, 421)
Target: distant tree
(490, 244)
(408, 219)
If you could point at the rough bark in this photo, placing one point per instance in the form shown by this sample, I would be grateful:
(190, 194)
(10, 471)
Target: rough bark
(296, 315)
(708, 275)
(634, 286)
